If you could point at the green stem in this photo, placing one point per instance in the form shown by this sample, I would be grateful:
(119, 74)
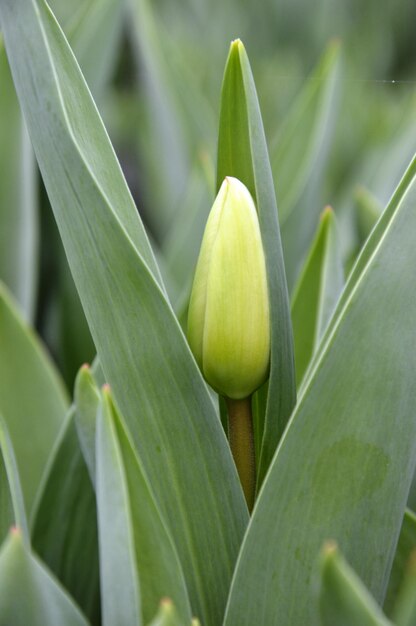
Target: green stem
(240, 435)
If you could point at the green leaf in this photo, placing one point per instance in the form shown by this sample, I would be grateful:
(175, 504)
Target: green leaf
(319, 287)
(404, 613)
(18, 206)
(368, 211)
(183, 242)
(65, 526)
(164, 154)
(142, 350)
(344, 601)
(242, 152)
(300, 157)
(139, 563)
(405, 547)
(28, 592)
(94, 38)
(369, 249)
(12, 508)
(87, 399)
(354, 419)
(33, 401)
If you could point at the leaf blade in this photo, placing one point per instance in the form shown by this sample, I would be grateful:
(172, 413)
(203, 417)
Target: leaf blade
(242, 152)
(126, 308)
(126, 508)
(33, 418)
(349, 398)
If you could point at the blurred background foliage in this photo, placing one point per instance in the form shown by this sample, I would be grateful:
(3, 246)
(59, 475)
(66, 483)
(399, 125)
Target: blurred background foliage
(337, 89)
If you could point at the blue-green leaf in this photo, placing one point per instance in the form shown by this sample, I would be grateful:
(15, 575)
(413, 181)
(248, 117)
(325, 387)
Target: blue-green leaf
(33, 401)
(242, 152)
(343, 600)
(355, 419)
(28, 592)
(138, 561)
(142, 350)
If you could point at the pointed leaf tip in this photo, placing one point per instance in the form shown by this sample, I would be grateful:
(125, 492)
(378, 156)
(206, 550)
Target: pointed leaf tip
(15, 531)
(328, 210)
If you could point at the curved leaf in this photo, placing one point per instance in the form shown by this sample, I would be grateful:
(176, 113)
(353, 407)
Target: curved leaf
(355, 418)
(344, 601)
(65, 523)
(87, 400)
(405, 547)
(12, 508)
(141, 347)
(33, 401)
(300, 157)
(138, 561)
(319, 287)
(18, 206)
(242, 152)
(28, 593)
(405, 606)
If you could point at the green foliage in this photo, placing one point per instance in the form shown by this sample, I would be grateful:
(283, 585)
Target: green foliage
(126, 507)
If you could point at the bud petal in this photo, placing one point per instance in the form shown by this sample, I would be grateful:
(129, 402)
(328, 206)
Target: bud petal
(229, 321)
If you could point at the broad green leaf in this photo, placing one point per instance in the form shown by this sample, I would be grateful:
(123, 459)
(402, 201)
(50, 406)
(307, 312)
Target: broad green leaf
(18, 206)
(300, 157)
(343, 600)
(405, 547)
(138, 561)
(142, 350)
(404, 613)
(28, 592)
(12, 508)
(33, 401)
(65, 526)
(87, 399)
(242, 152)
(355, 419)
(319, 287)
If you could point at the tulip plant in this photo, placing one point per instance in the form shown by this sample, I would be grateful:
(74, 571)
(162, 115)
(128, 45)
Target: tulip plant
(195, 477)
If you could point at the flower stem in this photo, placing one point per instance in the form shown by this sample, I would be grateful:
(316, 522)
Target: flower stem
(240, 434)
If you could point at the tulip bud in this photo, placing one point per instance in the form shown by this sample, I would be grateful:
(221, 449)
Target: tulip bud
(229, 321)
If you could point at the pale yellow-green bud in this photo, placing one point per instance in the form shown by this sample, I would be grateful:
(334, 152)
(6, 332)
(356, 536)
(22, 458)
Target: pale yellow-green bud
(229, 320)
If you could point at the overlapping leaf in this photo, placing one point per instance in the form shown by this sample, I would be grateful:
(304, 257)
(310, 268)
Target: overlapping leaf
(299, 158)
(18, 206)
(138, 561)
(405, 547)
(28, 592)
(33, 401)
(344, 601)
(65, 523)
(242, 152)
(12, 509)
(142, 350)
(355, 419)
(315, 296)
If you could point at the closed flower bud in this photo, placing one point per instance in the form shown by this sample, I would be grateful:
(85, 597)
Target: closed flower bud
(229, 321)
